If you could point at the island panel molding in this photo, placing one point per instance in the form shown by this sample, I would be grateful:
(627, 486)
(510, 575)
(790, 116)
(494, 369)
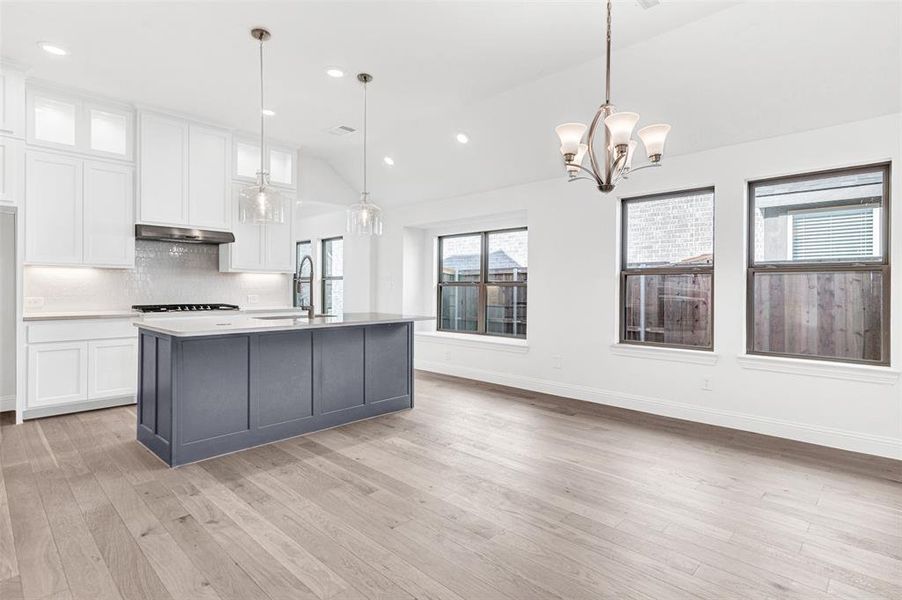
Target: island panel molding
(202, 396)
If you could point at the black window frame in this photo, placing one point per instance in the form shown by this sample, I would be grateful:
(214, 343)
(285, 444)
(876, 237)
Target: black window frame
(481, 285)
(626, 271)
(324, 277)
(754, 267)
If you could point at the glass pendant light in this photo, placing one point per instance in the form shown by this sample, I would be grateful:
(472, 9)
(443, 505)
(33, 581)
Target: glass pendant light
(260, 202)
(364, 218)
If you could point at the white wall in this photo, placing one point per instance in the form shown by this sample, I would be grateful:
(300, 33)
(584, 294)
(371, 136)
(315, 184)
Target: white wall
(7, 310)
(358, 255)
(573, 315)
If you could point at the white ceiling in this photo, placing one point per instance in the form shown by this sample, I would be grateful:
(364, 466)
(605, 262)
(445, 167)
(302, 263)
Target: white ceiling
(504, 72)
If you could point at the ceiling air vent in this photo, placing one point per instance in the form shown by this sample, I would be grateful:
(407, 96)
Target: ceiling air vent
(342, 130)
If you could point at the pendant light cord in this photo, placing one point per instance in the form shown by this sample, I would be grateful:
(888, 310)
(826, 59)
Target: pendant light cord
(262, 116)
(364, 142)
(607, 84)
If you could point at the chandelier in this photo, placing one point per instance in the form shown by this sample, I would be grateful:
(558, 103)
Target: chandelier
(260, 202)
(364, 218)
(617, 159)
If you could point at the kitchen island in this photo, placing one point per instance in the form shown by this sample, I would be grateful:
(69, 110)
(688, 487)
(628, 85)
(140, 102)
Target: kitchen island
(221, 383)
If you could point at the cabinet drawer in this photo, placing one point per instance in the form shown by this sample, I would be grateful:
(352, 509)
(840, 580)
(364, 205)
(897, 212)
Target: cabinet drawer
(82, 329)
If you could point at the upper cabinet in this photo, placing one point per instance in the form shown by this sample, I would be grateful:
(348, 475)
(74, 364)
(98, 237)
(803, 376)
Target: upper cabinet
(259, 248)
(183, 173)
(78, 212)
(12, 170)
(279, 161)
(12, 102)
(73, 124)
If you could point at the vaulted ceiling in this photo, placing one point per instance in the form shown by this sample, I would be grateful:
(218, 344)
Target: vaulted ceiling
(503, 72)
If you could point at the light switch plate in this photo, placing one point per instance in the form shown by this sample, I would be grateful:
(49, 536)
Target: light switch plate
(253, 298)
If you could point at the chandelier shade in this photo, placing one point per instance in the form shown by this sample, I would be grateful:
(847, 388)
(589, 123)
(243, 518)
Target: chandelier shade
(654, 136)
(571, 135)
(621, 126)
(617, 148)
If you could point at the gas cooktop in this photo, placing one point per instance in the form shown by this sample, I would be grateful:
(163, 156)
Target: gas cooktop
(181, 308)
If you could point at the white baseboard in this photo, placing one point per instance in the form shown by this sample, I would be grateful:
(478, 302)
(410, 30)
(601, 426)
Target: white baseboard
(7, 402)
(835, 438)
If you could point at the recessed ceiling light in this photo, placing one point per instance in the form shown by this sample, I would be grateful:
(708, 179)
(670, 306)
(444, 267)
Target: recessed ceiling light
(269, 113)
(463, 138)
(389, 161)
(333, 72)
(54, 49)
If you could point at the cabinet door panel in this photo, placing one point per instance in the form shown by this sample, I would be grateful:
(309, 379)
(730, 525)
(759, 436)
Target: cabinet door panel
(11, 171)
(109, 221)
(53, 120)
(208, 173)
(279, 249)
(339, 354)
(162, 163)
(54, 209)
(110, 131)
(213, 388)
(284, 379)
(112, 368)
(57, 373)
(387, 362)
(12, 103)
(281, 166)
(246, 252)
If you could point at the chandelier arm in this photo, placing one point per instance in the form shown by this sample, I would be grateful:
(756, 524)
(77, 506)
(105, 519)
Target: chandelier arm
(647, 166)
(589, 171)
(590, 142)
(586, 178)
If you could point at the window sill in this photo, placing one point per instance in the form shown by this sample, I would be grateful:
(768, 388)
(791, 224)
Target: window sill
(820, 368)
(695, 357)
(514, 345)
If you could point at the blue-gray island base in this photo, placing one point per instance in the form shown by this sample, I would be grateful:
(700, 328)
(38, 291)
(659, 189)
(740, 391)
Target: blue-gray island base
(201, 395)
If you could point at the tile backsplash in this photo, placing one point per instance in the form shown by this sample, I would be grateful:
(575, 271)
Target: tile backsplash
(164, 273)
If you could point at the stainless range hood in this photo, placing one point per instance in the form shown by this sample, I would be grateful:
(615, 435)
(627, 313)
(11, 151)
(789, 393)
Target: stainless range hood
(182, 235)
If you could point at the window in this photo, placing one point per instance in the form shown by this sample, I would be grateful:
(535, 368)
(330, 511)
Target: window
(482, 283)
(333, 276)
(818, 275)
(667, 271)
(303, 277)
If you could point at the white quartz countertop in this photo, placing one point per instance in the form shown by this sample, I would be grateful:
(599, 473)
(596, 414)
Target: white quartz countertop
(238, 322)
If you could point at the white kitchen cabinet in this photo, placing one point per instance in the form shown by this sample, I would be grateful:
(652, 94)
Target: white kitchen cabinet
(79, 364)
(162, 170)
(208, 177)
(78, 212)
(57, 373)
(12, 102)
(54, 209)
(73, 124)
(109, 233)
(278, 245)
(184, 172)
(259, 248)
(112, 368)
(12, 170)
(279, 161)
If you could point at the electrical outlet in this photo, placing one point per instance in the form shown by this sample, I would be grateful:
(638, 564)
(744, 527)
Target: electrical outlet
(556, 361)
(706, 384)
(34, 302)
(253, 298)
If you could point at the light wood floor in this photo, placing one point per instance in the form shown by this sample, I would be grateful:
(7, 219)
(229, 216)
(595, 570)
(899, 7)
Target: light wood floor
(480, 492)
